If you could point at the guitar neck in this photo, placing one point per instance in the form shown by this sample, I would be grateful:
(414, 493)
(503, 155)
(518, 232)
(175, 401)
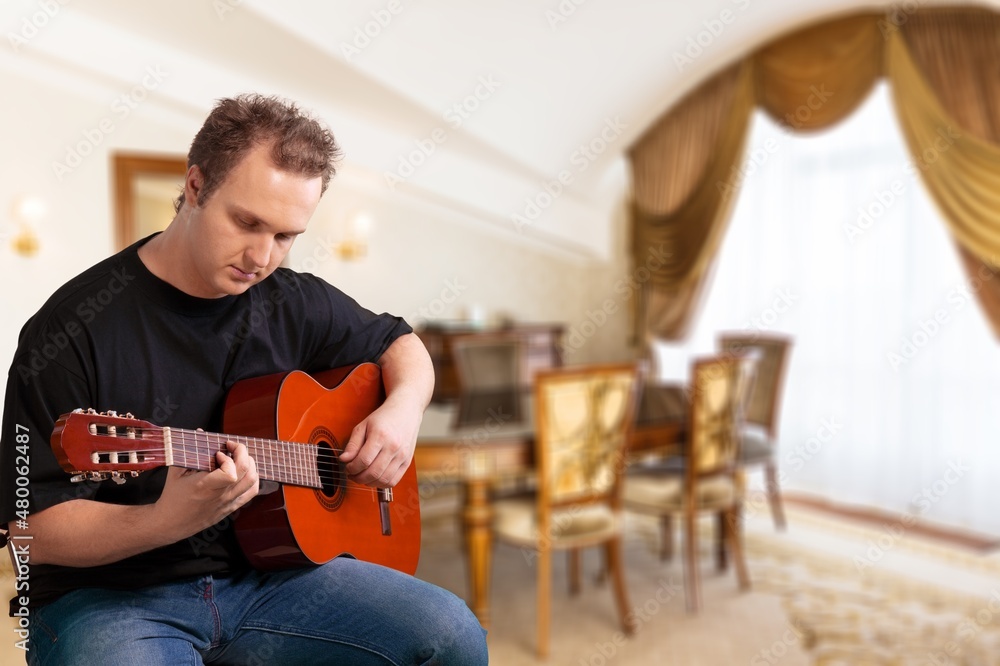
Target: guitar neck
(284, 462)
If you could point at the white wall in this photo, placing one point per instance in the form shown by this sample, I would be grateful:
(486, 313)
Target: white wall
(425, 260)
(37, 123)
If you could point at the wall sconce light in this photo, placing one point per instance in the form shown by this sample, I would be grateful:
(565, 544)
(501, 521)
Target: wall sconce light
(355, 243)
(27, 212)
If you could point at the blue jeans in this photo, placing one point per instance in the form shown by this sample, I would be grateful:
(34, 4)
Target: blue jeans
(344, 612)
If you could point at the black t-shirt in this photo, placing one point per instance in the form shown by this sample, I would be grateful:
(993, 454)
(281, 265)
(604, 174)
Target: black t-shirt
(118, 338)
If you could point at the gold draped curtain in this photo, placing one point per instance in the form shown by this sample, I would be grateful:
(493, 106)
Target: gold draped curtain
(944, 69)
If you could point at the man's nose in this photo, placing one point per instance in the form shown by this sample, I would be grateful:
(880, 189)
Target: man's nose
(259, 253)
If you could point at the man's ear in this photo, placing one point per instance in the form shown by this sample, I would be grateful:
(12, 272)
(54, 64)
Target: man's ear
(194, 181)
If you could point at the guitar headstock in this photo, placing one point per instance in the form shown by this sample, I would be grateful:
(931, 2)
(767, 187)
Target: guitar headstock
(95, 445)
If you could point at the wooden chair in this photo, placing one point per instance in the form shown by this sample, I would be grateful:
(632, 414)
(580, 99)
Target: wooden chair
(759, 432)
(488, 362)
(490, 371)
(710, 479)
(583, 417)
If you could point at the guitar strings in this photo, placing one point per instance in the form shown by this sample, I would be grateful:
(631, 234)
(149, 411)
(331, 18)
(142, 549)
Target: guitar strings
(298, 463)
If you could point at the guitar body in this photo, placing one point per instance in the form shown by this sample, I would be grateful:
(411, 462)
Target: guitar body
(286, 525)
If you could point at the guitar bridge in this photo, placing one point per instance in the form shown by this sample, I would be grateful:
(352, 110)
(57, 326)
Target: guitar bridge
(384, 498)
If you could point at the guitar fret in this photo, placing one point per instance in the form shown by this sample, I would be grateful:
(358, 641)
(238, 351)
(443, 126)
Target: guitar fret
(209, 459)
(282, 463)
(313, 460)
(266, 459)
(300, 452)
(272, 464)
(199, 456)
(306, 480)
(220, 445)
(203, 461)
(306, 466)
(274, 461)
(258, 454)
(300, 465)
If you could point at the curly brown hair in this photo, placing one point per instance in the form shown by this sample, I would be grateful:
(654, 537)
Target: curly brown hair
(299, 143)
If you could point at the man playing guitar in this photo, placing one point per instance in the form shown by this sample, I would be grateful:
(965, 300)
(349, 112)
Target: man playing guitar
(148, 571)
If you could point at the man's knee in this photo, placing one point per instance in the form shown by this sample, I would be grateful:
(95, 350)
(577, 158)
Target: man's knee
(455, 634)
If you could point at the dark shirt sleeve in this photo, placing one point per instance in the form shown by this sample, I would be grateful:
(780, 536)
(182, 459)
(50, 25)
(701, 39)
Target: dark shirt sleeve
(46, 379)
(340, 331)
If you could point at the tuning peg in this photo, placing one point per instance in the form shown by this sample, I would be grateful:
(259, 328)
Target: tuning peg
(111, 412)
(88, 476)
(117, 478)
(78, 410)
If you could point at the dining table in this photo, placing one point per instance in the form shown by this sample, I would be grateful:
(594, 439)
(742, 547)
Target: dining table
(483, 439)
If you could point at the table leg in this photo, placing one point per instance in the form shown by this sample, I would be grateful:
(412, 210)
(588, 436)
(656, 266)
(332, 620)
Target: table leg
(478, 517)
(721, 534)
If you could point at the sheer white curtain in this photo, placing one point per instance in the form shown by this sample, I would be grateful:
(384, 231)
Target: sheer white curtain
(892, 398)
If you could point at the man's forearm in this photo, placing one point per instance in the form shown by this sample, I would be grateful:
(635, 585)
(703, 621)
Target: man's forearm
(407, 371)
(84, 533)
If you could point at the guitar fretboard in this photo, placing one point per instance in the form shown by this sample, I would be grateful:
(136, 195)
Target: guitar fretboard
(284, 462)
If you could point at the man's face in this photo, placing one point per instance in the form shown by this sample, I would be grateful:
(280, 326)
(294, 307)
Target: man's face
(243, 231)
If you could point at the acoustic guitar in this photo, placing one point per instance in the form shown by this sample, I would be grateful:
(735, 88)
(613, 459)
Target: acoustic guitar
(294, 425)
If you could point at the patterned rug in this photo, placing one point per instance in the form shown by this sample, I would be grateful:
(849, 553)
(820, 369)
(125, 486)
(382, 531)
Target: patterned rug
(856, 595)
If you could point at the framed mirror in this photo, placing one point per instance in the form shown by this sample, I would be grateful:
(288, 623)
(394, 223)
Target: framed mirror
(145, 186)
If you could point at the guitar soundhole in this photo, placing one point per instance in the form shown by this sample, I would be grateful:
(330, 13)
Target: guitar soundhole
(331, 475)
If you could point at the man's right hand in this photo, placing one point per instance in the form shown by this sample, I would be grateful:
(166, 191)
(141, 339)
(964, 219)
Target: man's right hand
(193, 500)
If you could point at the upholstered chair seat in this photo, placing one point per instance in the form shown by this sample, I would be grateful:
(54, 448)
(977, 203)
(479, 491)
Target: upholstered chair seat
(656, 493)
(578, 527)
